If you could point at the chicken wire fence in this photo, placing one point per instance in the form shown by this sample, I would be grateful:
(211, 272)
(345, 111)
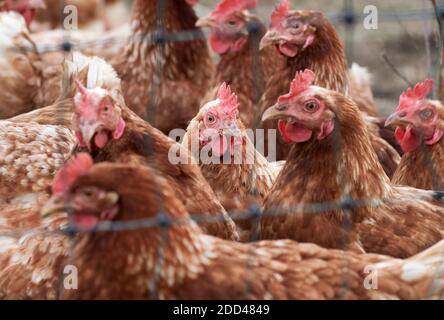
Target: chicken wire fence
(349, 17)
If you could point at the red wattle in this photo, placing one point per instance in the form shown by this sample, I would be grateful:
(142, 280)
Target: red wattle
(85, 221)
(289, 50)
(292, 132)
(219, 45)
(437, 135)
(281, 127)
(407, 139)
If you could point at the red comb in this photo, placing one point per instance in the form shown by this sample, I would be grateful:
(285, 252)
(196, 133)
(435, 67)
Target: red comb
(76, 166)
(228, 99)
(280, 12)
(301, 82)
(411, 96)
(228, 6)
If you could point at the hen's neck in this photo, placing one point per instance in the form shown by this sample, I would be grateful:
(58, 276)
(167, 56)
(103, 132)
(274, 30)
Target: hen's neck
(140, 142)
(254, 176)
(177, 58)
(422, 168)
(344, 164)
(326, 57)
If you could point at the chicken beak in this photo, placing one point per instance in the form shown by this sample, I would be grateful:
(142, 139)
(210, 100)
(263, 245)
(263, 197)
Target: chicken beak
(395, 119)
(205, 22)
(268, 39)
(37, 4)
(55, 204)
(275, 112)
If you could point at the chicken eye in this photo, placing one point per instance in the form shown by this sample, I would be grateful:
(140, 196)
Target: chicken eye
(311, 106)
(232, 22)
(211, 118)
(87, 193)
(295, 25)
(425, 114)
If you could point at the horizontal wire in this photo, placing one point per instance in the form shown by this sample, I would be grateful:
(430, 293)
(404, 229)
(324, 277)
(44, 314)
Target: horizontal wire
(158, 37)
(162, 220)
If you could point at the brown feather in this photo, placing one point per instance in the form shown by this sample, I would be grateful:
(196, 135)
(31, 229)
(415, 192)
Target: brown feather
(129, 265)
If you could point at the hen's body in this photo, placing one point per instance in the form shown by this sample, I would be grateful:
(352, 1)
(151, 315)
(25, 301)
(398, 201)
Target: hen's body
(164, 82)
(422, 168)
(30, 154)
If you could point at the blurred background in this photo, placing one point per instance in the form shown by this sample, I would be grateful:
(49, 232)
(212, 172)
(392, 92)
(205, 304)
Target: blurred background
(403, 49)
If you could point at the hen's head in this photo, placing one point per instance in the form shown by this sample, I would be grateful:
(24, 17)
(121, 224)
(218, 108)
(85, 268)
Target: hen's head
(87, 203)
(98, 117)
(105, 192)
(229, 25)
(27, 8)
(307, 111)
(218, 123)
(292, 31)
(417, 119)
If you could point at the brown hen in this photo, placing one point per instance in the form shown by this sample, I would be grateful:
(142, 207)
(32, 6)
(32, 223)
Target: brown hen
(239, 174)
(419, 131)
(333, 189)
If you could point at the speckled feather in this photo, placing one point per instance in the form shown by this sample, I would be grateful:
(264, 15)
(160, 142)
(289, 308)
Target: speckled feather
(30, 154)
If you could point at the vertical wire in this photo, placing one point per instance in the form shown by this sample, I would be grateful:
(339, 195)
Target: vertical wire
(349, 20)
(66, 48)
(159, 44)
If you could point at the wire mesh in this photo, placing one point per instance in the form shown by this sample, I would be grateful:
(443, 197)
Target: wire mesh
(349, 17)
